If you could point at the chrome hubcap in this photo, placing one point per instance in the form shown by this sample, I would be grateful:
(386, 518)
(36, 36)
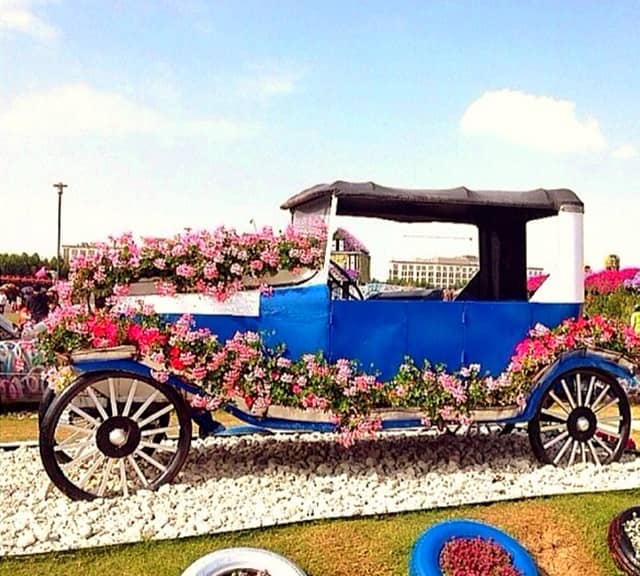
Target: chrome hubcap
(118, 437)
(582, 424)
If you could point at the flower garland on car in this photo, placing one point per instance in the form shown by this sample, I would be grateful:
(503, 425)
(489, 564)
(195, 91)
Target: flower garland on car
(245, 368)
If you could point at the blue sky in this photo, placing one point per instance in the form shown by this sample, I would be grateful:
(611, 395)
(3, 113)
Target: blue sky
(166, 114)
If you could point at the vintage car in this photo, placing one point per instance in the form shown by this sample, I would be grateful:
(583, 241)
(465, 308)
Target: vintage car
(107, 432)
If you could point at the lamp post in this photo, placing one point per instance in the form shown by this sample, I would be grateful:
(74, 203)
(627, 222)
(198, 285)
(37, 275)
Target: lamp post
(60, 186)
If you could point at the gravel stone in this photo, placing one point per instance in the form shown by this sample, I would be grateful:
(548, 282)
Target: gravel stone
(25, 539)
(232, 484)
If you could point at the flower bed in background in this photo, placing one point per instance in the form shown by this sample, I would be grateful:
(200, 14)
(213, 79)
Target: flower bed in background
(601, 282)
(607, 281)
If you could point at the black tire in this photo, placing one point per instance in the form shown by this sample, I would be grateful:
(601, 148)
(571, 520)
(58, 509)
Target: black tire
(116, 433)
(572, 424)
(45, 402)
(620, 546)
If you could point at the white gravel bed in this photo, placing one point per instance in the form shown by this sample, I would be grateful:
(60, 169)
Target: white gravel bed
(235, 483)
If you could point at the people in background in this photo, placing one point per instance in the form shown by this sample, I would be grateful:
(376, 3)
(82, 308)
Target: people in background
(38, 304)
(635, 319)
(52, 299)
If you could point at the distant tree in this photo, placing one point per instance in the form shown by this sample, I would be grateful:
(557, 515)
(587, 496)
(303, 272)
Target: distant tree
(27, 264)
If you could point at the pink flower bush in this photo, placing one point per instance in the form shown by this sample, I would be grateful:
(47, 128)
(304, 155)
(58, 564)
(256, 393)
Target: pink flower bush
(214, 263)
(602, 282)
(607, 281)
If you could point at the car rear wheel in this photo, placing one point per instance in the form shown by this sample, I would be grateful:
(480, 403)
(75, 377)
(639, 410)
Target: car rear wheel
(114, 433)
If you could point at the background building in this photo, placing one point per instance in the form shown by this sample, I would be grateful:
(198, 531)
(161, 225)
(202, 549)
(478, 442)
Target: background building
(72, 250)
(352, 255)
(439, 272)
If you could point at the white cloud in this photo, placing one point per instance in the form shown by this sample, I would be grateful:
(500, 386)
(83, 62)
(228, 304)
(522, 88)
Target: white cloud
(268, 81)
(79, 110)
(539, 122)
(216, 128)
(625, 152)
(18, 16)
(271, 84)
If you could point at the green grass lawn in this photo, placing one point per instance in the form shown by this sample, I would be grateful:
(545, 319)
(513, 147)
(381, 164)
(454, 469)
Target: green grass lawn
(377, 546)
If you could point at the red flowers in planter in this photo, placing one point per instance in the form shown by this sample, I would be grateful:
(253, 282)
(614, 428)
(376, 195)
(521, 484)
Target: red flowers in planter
(476, 557)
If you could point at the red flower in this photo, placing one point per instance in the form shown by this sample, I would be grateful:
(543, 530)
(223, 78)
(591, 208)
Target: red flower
(134, 332)
(174, 358)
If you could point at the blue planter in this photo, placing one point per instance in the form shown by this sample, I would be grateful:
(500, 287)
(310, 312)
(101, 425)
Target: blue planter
(424, 559)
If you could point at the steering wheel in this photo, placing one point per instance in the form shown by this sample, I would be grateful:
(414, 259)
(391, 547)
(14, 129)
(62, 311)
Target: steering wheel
(340, 279)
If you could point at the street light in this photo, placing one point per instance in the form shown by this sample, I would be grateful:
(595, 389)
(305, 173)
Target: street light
(60, 186)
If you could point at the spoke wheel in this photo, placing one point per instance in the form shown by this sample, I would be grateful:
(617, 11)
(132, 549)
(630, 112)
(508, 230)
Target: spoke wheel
(584, 416)
(112, 434)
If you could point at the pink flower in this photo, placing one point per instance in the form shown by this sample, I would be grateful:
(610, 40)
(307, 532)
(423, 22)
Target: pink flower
(120, 290)
(160, 375)
(210, 271)
(199, 372)
(185, 270)
(165, 288)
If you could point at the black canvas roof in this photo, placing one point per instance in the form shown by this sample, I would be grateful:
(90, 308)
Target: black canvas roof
(448, 205)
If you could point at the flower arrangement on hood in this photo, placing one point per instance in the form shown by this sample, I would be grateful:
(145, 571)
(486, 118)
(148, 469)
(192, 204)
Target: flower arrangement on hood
(215, 263)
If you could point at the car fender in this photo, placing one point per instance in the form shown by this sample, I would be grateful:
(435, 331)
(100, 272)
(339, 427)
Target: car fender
(602, 361)
(131, 367)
